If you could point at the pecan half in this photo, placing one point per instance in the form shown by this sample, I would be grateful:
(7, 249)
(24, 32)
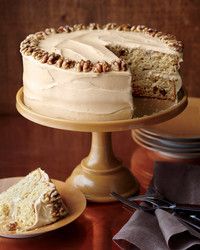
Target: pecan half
(97, 68)
(87, 66)
(106, 67)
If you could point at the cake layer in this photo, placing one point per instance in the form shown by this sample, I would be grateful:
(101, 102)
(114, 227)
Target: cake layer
(166, 91)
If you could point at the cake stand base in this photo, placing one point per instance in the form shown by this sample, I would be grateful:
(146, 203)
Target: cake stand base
(100, 173)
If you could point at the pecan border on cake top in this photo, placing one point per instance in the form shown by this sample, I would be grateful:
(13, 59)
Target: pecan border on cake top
(29, 47)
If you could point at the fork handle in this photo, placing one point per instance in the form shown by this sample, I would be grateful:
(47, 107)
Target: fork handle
(185, 209)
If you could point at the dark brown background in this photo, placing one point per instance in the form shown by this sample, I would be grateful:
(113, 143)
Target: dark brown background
(25, 145)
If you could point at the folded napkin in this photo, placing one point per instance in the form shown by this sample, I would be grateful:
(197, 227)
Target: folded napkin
(163, 231)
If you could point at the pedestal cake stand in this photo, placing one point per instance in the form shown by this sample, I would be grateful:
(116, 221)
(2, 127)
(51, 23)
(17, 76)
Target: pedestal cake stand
(100, 172)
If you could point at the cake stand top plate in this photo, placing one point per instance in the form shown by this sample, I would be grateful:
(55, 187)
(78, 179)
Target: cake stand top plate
(148, 111)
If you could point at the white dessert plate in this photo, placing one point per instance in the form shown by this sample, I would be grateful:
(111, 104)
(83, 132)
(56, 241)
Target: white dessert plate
(165, 148)
(169, 153)
(170, 143)
(185, 126)
(72, 197)
(162, 144)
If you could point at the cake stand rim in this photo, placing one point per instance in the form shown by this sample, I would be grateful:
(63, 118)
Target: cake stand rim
(100, 126)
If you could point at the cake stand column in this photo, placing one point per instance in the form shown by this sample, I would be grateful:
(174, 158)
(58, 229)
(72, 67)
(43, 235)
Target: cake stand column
(100, 172)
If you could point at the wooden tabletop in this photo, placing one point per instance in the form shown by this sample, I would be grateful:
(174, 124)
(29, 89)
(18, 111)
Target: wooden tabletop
(94, 229)
(25, 145)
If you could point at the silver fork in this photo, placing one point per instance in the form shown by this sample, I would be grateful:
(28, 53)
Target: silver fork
(160, 202)
(182, 217)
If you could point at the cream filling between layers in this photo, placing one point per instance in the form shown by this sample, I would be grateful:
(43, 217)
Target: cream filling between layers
(173, 76)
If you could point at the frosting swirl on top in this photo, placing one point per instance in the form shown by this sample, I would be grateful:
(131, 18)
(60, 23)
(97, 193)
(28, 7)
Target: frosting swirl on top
(91, 45)
(85, 50)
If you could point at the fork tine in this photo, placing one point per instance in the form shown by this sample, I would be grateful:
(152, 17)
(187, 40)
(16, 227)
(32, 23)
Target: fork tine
(145, 199)
(141, 196)
(150, 198)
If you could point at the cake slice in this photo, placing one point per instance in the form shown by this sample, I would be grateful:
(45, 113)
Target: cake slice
(31, 203)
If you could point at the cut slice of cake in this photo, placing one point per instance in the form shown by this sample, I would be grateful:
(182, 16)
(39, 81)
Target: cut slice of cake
(154, 73)
(94, 72)
(31, 203)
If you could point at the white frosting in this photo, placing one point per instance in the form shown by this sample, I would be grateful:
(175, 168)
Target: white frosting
(43, 214)
(69, 94)
(43, 211)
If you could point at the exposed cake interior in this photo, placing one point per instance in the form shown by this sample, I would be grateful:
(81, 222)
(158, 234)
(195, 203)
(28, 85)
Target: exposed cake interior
(154, 74)
(31, 203)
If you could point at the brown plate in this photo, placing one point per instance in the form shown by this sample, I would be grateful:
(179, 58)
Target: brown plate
(185, 126)
(156, 144)
(167, 153)
(162, 145)
(72, 197)
(175, 142)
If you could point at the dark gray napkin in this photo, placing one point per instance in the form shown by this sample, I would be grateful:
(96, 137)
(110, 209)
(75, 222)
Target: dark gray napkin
(163, 231)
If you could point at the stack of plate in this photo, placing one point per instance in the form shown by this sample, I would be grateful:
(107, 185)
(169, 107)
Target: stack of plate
(178, 137)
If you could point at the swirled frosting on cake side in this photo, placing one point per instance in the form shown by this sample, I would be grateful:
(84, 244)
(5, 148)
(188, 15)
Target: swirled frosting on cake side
(75, 95)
